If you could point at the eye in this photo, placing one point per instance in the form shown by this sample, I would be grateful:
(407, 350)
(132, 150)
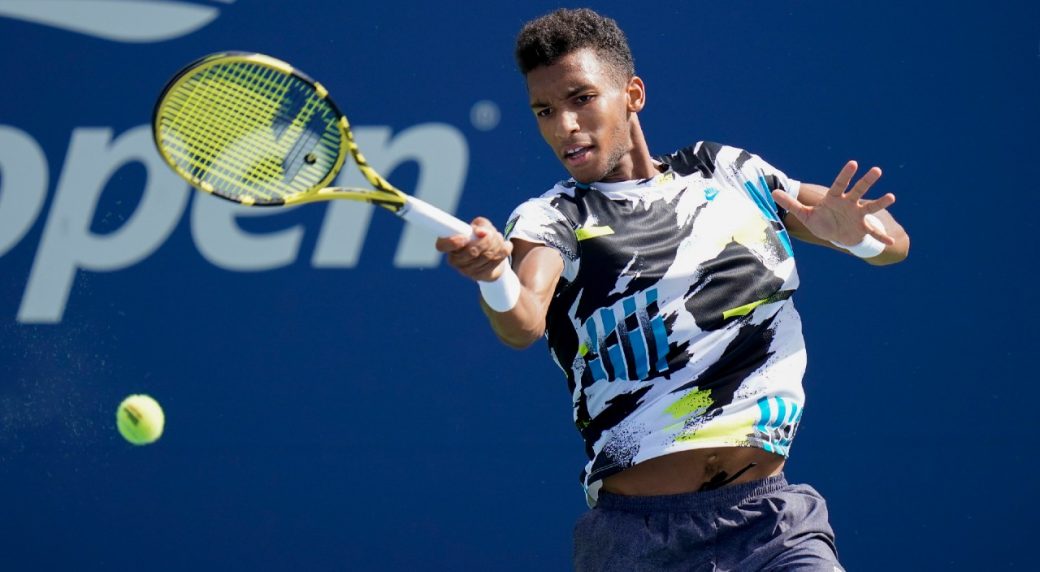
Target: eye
(584, 98)
(544, 112)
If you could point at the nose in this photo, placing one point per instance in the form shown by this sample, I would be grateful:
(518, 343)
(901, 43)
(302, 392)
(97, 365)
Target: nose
(567, 123)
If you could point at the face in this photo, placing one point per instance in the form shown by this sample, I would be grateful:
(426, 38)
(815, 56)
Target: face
(583, 113)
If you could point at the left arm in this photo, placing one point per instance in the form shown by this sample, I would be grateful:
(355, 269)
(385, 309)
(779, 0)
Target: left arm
(820, 215)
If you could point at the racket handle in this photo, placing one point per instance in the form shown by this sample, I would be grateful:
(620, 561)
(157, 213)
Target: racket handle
(502, 294)
(424, 214)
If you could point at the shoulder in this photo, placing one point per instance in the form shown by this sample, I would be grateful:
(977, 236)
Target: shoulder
(549, 219)
(558, 202)
(705, 157)
(563, 190)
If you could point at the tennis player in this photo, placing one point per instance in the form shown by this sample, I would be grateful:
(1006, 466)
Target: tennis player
(664, 284)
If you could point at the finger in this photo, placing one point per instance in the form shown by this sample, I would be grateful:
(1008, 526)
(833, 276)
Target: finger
(477, 266)
(876, 228)
(479, 247)
(498, 246)
(485, 270)
(881, 203)
(451, 243)
(487, 239)
(469, 251)
(841, 182)
(474, 251)
(883, 237)
(864, 183)
(482, 227)
(460, 259)
(466, 265)
(791, 204)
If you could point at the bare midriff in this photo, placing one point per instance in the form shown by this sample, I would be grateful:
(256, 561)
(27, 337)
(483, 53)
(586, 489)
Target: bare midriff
(690, 471)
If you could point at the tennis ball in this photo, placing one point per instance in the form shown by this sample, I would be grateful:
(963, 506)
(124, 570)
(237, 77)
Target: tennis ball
(140, 419)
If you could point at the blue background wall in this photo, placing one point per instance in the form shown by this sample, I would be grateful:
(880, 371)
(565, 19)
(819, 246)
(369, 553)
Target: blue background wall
(359, 414)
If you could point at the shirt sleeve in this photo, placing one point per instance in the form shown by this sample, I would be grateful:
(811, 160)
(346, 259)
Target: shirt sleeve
(538, 221)
(760, 179)
(776, 180)
(769, 179)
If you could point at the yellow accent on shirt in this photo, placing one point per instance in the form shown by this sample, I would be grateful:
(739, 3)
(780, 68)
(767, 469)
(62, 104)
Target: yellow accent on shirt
(586, 233)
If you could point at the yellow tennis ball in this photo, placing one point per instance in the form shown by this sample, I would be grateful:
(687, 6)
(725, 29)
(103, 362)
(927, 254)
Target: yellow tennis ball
(140, 419)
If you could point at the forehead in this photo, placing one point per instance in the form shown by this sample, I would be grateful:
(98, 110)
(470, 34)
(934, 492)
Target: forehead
(578, 69)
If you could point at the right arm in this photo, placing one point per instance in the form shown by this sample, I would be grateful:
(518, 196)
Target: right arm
(538, 267)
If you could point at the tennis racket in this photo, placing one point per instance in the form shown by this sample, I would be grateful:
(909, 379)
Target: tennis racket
(252, 129)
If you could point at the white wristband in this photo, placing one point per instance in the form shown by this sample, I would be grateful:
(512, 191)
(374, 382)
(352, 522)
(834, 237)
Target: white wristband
(501, 295)
(869, 247)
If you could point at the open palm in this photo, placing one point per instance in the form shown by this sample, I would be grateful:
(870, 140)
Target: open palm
(841, 216)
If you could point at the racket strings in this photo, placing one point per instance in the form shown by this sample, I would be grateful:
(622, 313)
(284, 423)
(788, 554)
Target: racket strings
(250, 158)
(249, 131)
(213, 158)
(221, 102)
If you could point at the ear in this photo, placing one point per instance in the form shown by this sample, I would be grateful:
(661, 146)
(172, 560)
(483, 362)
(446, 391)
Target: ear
(636, 92)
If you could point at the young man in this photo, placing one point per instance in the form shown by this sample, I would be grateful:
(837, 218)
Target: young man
(663, 285)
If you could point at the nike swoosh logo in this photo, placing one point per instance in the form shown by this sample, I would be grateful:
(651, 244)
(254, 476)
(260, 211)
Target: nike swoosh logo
(130, 21)
(509, 226)
(710, 193)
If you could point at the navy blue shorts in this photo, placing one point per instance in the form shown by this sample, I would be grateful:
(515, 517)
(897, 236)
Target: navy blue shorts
(759, 525)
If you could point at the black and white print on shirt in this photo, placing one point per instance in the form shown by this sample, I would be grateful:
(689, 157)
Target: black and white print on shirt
(673, 320)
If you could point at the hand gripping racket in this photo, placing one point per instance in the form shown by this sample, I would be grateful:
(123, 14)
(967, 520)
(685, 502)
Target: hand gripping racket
(252, 129)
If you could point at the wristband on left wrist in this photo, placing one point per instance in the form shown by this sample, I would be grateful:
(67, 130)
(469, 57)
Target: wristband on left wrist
(869, 247)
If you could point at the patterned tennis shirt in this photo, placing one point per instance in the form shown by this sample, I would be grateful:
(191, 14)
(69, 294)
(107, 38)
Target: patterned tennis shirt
(673, 319)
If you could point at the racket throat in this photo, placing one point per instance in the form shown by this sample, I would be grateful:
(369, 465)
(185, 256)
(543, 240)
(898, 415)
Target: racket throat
(389, 202)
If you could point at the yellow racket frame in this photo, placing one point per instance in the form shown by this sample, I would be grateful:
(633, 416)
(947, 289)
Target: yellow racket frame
(383, 193)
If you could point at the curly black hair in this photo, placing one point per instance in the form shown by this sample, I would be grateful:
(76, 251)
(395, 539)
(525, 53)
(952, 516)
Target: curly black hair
(545, 40)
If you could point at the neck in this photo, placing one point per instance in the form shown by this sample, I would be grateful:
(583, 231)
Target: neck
(637, 163)
(643, 166)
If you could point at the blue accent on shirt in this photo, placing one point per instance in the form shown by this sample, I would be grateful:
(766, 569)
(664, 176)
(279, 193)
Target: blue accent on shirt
(614, 353)
(598, 373)
(637, 341)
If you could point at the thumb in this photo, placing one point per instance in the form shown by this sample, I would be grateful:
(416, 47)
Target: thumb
(790, 204)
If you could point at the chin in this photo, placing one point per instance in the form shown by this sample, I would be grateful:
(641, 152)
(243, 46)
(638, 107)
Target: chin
(588, 174)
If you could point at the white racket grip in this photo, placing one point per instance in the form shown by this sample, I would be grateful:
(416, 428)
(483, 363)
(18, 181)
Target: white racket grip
(424, 214)
(502, 294)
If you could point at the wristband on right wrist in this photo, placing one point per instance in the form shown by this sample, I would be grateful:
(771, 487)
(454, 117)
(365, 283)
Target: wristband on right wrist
(502, 294)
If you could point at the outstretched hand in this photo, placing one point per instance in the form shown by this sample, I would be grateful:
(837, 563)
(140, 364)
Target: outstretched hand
(481, 257)
(841, 216)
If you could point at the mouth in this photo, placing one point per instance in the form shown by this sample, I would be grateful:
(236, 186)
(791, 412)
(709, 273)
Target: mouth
(577, 154)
